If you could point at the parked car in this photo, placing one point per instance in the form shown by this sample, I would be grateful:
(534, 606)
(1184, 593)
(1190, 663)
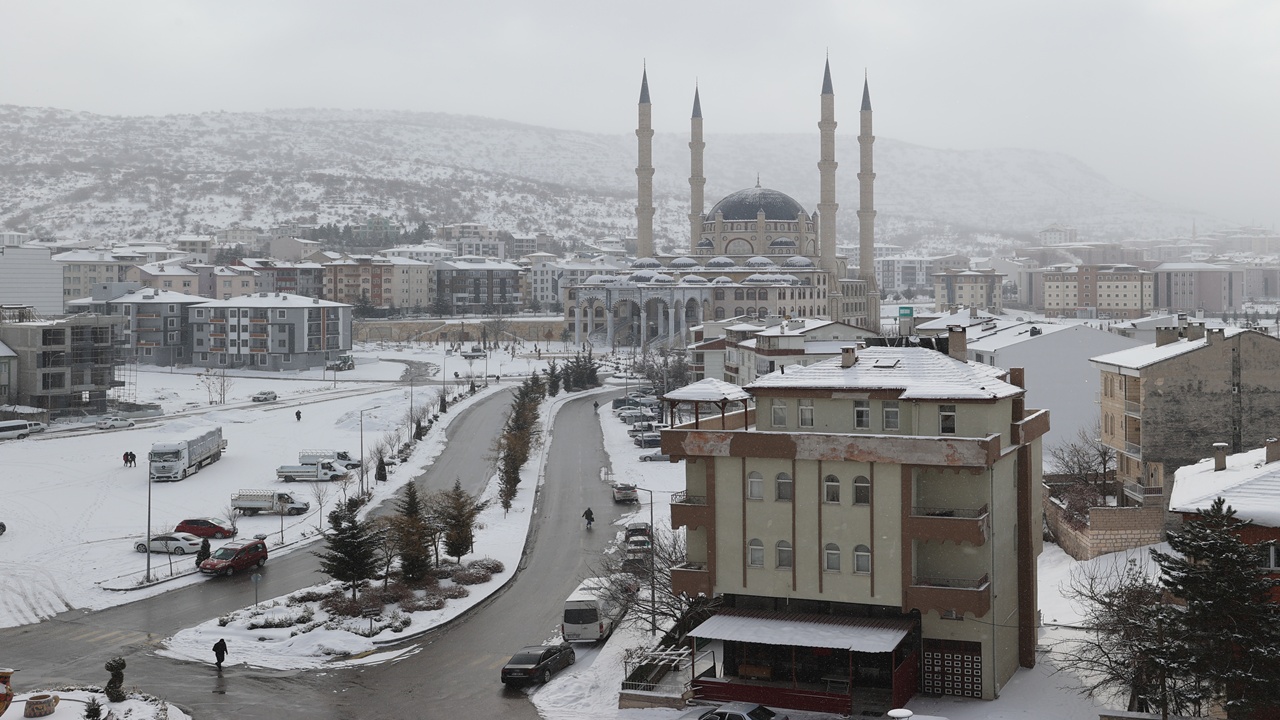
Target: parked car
(648, 440)
(637, 530)
(215, 528)
(238, 555)
(537, 663)
(621, 403)
(624, 493)
(734, 711)
(645, 426)
(114, 422)
(175, 543)
(634, 415)
(657, 456)
(35, 427)
(264, 396)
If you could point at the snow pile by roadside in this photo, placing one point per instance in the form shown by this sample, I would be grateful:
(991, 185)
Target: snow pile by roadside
(72, 703)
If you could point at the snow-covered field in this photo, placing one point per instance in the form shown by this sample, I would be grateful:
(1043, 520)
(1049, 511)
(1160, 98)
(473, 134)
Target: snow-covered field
(74, 514)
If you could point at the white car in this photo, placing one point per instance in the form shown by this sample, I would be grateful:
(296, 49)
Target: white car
(264, 396)
(35, 427)
(114, 422)
(175, 543)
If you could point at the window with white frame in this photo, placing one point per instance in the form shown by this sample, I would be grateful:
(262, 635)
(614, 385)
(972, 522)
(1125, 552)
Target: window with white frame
(831, 489)
(784, 553)
(831, 558)
(947, 419)
(1269, 557)
(861, 490)
(280, 314)
(862, 559)
(755, 553)
(779, 412)
(755, 486)
(784, 487)
(806, 412)
(890, 414)
(862, 414)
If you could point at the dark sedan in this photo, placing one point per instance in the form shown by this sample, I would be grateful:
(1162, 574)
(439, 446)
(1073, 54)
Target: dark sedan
(537, 663)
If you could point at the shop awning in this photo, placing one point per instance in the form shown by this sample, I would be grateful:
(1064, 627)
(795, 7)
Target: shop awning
(870, 635)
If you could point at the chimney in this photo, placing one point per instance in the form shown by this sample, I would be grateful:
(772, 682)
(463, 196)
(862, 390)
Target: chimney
(1215, 335)
(1273, 450)
(1219, 456)
(848, 356)
(957, 343)
(1195, 331)
(1166, 335)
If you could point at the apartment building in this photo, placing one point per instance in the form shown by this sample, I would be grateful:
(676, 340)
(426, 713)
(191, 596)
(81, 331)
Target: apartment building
(1118, 292)
(411, 284)
(83, 269)
(29, 276)
(550, 277)
(197, 247)
(167, 275)
(902, 272)
(870, 522)
(753, 349)
(981, 289)
(1163, 402)
(1057, 234)
(156, 329)
(471, 284)
(360, 279)
(65, 366)
(269, 331)
(422, 253)
(472, 239)
(293, 278)
(1191, 286)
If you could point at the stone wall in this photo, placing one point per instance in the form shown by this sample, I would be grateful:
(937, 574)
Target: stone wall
(1110, 529)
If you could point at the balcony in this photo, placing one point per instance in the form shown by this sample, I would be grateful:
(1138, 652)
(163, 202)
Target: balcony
(1133, 450)
(1140, 492)
(1133, 408)
(963, 595)
(261, 335)
(691, 578)
(218, 320)
(691, 511)
(148, 316)
(949, 524)
(217, 334)
(257, 350)
(259, 320)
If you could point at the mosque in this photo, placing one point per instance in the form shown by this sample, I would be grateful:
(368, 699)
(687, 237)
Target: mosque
(757, 253)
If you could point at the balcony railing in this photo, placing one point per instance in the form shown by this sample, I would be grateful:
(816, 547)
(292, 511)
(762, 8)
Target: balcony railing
(691, 578)
(1139, 491)
(691, 511)
(949, 524)
(1132, 408)
(948, 582)
(961, 595)
(1133, 449)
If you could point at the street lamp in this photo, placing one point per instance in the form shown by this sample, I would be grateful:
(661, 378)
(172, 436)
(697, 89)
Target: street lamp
(363, 463)
(653, 588)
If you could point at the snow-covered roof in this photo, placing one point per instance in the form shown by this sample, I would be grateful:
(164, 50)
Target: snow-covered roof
(708, 390)
(964, 317)
(1146, 355)
(145, 296)
(871, 635)
(271, 300)
(1007, 334)
(795, 327)
(1248, 484)
(919, 374)
(6, 351)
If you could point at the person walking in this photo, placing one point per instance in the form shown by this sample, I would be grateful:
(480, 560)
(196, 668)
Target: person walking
(220, 652)
(297, 415)
(590, 516)
(126, 458)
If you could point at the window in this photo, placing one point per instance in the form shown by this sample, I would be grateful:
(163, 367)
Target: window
(755, 553)
(779, 413)
(890, 414)
(862, 414)
(280, 314)
(947, 419)
(831, 489)
(1269, 557)
(784, 488)
(861, 490)
(806, 412)
(831, 558)
(862, 559)
(199, 312)
(755, 486)
(783, 550)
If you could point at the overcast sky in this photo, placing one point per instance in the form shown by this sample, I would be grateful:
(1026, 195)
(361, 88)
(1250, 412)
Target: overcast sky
(1177, 99)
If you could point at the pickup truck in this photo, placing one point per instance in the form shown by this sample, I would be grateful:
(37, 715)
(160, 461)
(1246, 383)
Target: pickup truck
(252, 502)
(321, 471)
(341, 458)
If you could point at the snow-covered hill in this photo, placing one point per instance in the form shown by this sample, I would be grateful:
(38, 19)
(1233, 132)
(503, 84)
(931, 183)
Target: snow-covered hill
(80, 175)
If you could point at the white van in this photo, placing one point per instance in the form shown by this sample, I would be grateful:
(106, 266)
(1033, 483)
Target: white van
(10, 429)
(588, 613)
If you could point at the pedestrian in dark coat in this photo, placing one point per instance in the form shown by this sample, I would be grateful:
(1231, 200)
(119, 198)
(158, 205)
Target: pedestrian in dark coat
(126, 458)
(220, 651)
(298, 415)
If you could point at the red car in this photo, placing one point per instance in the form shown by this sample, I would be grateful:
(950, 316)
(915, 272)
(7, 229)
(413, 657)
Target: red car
(206, 527)
(238, 555)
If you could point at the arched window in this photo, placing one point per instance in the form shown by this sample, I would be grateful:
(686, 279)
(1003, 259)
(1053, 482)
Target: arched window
(861, 490)
(831, 489)
(783, 550)
(737, 311)
(764, 295)
(739, 294)
(755, 486)
(784, 489)
(719, 313)
(831, 558)
(751, 294)
(719, 293)
(764, 311)
(751, 312)
(755, 553)
(862, 559)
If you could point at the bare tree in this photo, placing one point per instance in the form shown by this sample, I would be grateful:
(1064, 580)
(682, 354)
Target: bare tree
(649, 602)
(320, 492)
(216, 384)
(493, 329)
(232, 514)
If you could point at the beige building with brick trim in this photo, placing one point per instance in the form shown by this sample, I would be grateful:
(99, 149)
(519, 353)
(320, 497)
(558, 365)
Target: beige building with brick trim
(1120, 292)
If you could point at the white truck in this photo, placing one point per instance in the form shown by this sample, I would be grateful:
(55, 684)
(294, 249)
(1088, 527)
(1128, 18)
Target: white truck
(177, 458)
(322, 471)
(341, 458)
(252, 502)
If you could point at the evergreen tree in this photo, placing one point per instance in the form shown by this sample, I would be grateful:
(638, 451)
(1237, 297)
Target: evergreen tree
(1229, 633)
(351, 553)
(553, 379)
(380, 472)
(411, 535)
(458, 510)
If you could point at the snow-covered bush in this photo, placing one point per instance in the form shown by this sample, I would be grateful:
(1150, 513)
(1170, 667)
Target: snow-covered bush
(472, 576)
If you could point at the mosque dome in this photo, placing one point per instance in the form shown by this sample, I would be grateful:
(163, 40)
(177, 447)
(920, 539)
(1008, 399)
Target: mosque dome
(643, 276)
(782, 242)
(646, 263)
(798, 261)
(745, 204)
(722, 280)
(721, 262)
(760, 262)
(706, 243)
(693, 280)
(684, 262)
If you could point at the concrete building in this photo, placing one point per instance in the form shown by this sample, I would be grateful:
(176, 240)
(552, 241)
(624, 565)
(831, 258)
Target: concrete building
(83, 269)
(1191, 286)
(1103, 291)
(757, 348)
(980, 289)
(906, 272)
(169, 275)
(157, 326)
(292, 278)
(550, 277)
(1058, 235)
(65, 366)
(471, 284)
(29, 276)
(285, 247)
(1162, 402)
(472, 239)
(422, 253)
(360, 279)
(197, 247)
(13, 239)
(886, 503)
(411, 284)
(8, 375)
(269, 331)
(522, 245)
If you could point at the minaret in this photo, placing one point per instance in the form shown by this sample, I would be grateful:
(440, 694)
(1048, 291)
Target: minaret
(827, 164)
(644, 173)
(696, 181)
(866, 196)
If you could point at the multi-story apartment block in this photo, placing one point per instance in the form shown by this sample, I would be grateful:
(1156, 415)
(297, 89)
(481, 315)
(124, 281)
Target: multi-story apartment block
(1162, 402)
(471, 284)
(902, 272)
(981, 289)
(884, 506)
(83, 269)
(522, 245)
(197, 247)
(29, 276)
(753, 349)
(1191, 286)
(550, 277)
(1121, 292)
(13, 239)
(166, 275)
(65, 366)
(411, 284)
(422, 253)
(360, 279)
(221, 282)
(291, 248)
(472, 239)
(269, 332)
(293, 278)
(245, 237)
(1058, 235)
(156, 330)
